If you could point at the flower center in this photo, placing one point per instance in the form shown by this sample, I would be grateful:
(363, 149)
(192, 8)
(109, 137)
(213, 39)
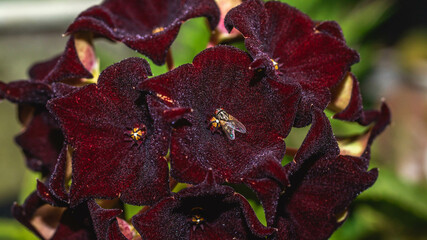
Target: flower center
(137, 133)
(275, 64)
(197, 215)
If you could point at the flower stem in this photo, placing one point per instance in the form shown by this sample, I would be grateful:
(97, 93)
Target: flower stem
(169, 60)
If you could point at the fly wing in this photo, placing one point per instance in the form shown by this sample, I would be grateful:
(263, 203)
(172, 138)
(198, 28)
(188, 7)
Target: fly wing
(228, 130)
(235, 124)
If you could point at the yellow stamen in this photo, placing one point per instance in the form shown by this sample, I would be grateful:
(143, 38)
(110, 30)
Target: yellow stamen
(158, 29)
(275, 64)
(164, 98)
(136, 134)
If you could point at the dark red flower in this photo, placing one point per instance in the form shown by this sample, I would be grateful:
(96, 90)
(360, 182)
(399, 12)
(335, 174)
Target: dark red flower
(41, 142)
(147, 26)
(220, 78)
(42, 138)
(106, 223)
(322, 185)
(51, 218)
(70, 65)
(283, 41)
(119, 143)
(205, 211)
(55, 223)
(26, 92)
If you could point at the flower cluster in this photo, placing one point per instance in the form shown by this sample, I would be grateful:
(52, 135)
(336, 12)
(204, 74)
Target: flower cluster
(122, 137)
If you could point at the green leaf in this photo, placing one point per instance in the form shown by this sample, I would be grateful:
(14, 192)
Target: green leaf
(363, 18)
(29, 184)
(391, 209)
(193, 38)
(344, 128)
(11, 229)
(259, 210)
(131, 210)
(408, 196)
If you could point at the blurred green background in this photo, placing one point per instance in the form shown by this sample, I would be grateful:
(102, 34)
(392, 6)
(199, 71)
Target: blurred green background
(390, 35)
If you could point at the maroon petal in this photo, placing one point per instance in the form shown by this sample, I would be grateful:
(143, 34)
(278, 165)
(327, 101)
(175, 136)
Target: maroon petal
(46, 195)
(268, 192)
(322, 185)
(319, 142)
(64, 67)
(41, 142)
(220, 78)
(49, 222)
(61, 89)
(330, 27)
(42, 138)
(354, 109)
(24, 213)
(221, 33)
(75, 224)
(382, 120)
(58, 177)
(149, 27)
(206, 211)
(108, 162)
(284, 41)
(354, 112)
(26, 92)
(105, 221)
(39, 71)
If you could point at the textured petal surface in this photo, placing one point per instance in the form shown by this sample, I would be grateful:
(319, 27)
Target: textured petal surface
(147, 26)
(104, 221)
(220, 78)
(107, 162)
(75, 224)
(24, 213)
(26, 92)
(61, 173)
(67, 66)
(284, 41)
